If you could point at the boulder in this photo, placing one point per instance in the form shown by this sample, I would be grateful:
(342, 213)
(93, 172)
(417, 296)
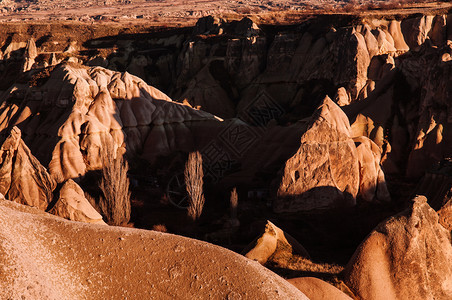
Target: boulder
(270, 241)
(406, 257)
(316, 289)
(73, 205)
(324, 172)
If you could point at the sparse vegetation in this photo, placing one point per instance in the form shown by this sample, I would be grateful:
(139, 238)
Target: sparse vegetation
(234, 200)
(194, 183)
(114, 204)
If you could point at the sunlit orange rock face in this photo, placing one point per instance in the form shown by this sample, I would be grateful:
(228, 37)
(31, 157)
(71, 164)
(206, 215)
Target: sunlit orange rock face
(69, 119)
(404, 257)
(24, 180)
(329, 170)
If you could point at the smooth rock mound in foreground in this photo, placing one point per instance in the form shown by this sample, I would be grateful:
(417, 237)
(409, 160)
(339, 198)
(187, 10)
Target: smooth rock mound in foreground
(406, 257)
(44, 257)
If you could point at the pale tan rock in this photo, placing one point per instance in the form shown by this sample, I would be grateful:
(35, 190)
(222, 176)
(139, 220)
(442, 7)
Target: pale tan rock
(445, 214)
(86, 106)
(53, 61)
(405, 257)
(372, 184)
(30, 54)
(265, 245)
(316, 289)
(89, 261)
(72, 205)
(23, 179)
(385, 42)
(67, 160)
(13, 46)
(342, 98)
(396, 32)
(371, 41)
(324, 172)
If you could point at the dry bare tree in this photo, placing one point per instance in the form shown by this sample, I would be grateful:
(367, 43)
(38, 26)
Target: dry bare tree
(115, 202)
(234, 200)
(194, 183)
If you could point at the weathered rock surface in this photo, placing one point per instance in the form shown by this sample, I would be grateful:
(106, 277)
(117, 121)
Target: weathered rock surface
(68, 119)
(405, 257)
(224, 67)
(328, 170)
(325, 171)
(57, 259)
(372, 183)
(436, 185)
(23, 178)
(316, 289)
(267, 244)
(73, 205)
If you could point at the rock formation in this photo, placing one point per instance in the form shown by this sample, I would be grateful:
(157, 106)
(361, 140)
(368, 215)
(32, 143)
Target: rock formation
(372, 183)
(405, 257)
(23, 178)
(67, 120)
(436, 185)
(316, 289)
(270, 241)
(225, 66)
(72, 205)
(30, 54)
(328, 170)
(71, 260)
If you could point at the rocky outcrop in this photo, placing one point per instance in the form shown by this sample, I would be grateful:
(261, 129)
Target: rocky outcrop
(205, 93)
(436, 185)
(325, 171)
(405, 257)
(72, 205)
(316, 289)
(57, 259)
(329, 170)
(272, 241)
(372, 183)
(68, 119)
(23, 178)
(445, 213)
(31, 52)
(224, 67)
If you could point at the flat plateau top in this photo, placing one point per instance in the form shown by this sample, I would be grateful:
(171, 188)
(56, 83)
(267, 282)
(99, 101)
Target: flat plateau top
(179, 13)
